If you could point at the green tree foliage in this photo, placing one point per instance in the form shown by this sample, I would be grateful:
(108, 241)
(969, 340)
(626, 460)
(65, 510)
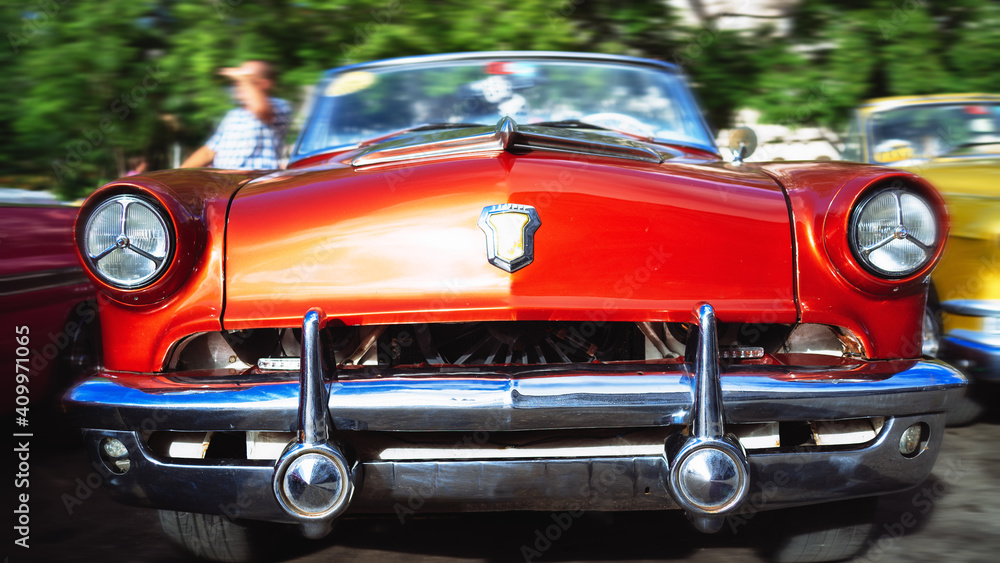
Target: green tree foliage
(89, 83)
(842, 52)
(79, 98)
(974, 53)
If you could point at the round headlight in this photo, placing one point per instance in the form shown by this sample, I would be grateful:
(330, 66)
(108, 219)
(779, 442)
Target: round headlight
(894, 233)
(127, 242)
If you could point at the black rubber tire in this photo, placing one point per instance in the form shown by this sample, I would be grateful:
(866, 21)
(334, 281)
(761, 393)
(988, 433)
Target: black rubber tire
(216, 538)
(969, 408)
(826, 532)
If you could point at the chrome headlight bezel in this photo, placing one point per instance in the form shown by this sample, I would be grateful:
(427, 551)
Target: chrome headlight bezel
(900, 234)
(160, 258)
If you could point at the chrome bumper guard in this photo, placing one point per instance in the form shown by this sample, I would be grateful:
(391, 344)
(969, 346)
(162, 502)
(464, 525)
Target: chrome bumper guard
(702, 471)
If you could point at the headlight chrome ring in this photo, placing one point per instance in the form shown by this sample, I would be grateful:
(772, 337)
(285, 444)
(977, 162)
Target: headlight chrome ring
(893, 233)
(127, 242)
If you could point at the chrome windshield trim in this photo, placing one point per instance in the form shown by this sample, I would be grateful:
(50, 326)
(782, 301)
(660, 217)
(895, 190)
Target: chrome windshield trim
(505, 135)
(464, 402)
(298, 154)
(490, 55)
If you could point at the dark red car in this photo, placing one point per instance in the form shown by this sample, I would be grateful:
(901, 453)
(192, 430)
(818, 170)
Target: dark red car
(46, 301)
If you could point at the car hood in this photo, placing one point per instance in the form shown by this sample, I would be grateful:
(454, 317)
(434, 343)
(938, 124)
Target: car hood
(395, 239)
(972, 190)
(978, 177)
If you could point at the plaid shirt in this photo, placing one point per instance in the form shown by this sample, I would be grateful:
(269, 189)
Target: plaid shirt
(243, 142)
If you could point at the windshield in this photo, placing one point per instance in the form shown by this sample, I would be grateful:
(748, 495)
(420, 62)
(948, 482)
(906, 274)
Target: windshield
(933, 130)
(358, 105)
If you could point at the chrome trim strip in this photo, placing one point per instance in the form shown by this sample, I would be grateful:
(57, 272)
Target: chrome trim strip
(453, 453)
(18, 197)
(972, 307)
(41, 280)
(490, 55)
(279, 364)
(661, 396)
(980, 338)
(432, 144)
(584, 143)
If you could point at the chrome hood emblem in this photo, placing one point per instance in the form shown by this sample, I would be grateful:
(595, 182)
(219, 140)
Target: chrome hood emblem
(510, 234)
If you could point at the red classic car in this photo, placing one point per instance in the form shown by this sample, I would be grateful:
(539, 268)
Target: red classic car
(46, 303)
(512, 281)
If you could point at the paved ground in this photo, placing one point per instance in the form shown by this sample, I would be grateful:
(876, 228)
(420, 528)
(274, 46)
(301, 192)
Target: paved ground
(956, 518)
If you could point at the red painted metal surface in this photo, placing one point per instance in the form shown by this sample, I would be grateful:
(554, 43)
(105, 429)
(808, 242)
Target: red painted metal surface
(38, 241)
(619, 240)
(36, 238)
(137, 333)
(831, 287)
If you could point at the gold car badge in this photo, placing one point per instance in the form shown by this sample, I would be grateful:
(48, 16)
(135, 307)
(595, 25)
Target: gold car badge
(510, 234)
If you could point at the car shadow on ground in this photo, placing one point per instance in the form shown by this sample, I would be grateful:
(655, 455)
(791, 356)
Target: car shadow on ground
(606, 536)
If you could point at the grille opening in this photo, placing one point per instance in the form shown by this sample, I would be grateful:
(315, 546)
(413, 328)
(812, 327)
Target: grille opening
(795, 434)
(227, 445)
(473, 344)
(260, 446)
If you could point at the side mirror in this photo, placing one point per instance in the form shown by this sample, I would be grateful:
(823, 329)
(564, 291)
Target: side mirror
(742, 143)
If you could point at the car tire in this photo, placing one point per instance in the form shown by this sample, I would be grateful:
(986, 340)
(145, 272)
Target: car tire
(214, 537)
(825, 532)
(969, 408)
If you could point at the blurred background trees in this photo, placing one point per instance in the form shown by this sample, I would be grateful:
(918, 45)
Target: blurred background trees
(90, 83)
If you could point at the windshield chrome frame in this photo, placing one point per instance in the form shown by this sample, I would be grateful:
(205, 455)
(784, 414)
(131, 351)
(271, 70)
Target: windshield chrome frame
(296, 156)
(869, 130)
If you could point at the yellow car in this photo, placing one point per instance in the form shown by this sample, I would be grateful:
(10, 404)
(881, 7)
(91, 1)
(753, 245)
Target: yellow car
(953, 140)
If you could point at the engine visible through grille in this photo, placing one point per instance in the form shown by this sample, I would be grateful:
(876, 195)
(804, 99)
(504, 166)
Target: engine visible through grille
(483, 344)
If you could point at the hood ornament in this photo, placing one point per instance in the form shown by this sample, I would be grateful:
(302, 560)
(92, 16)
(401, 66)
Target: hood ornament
(510, 234)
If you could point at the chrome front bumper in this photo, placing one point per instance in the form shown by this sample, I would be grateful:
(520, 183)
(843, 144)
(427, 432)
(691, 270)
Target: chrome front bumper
(699, 395)
(975, 352)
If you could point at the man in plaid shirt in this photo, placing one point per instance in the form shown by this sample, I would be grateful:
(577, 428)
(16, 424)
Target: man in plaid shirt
(250, 137)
